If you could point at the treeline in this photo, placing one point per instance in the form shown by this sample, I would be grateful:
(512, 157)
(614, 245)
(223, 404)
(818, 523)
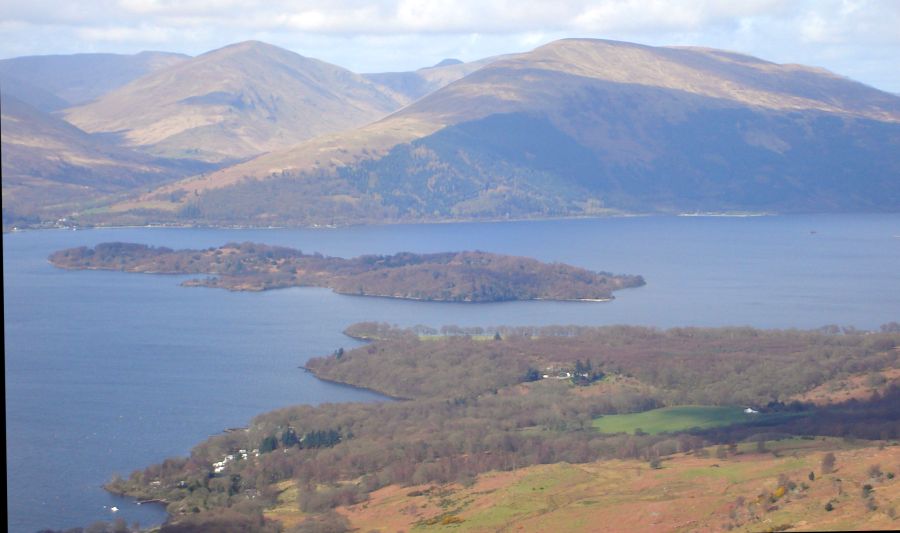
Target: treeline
(473, 410)
(876, 418)
(383, 330)
(451, 276)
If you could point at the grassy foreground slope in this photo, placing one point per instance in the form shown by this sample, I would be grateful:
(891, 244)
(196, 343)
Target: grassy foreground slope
(745, 490)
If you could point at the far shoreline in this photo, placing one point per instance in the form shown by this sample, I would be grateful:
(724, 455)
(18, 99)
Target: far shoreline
(325, 227)
(332, 226)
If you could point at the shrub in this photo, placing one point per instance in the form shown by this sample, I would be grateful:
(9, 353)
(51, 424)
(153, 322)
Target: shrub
(874, 472)
(828, 463)
(329, 522)
(311, 500)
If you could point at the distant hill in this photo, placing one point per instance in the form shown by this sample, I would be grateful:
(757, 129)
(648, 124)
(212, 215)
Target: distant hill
(449, 61)
(413, 85)
(30, 94)
(50, 167)
(583, 127)
(79, 78)
(234, 102)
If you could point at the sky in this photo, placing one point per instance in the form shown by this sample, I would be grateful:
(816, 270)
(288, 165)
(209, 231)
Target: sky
(859, 39)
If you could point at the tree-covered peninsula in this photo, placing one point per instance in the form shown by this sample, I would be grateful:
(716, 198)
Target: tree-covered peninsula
(450, 276)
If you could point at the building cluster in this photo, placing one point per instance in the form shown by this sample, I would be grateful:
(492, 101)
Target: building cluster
(219, 466)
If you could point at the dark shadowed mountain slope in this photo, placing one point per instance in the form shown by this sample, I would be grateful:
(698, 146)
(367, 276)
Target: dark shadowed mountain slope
(237, 101)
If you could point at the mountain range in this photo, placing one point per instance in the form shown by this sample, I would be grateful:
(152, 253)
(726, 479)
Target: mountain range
(577, 127)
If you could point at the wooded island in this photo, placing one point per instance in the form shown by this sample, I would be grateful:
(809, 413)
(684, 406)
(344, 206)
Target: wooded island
(450, 276)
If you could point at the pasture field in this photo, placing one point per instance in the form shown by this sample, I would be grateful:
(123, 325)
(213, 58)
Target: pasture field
(680, 418)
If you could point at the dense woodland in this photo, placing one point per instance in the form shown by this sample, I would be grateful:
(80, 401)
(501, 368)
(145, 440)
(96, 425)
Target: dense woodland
(450, 276)
(475, 405)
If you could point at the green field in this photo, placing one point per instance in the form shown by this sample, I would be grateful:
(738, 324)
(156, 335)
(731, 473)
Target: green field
(669, 419)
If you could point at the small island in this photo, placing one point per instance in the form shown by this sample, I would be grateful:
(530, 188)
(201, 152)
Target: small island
(446, 277)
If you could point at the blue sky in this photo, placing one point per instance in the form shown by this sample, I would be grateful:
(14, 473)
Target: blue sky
(856, 38)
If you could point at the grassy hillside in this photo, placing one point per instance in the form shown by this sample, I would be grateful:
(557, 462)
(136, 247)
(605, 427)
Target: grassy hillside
(235, 102)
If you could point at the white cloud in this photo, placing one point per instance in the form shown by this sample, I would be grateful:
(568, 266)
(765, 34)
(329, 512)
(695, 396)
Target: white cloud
(814, 28)
(853, 37)
(120, 34)
(176, 8)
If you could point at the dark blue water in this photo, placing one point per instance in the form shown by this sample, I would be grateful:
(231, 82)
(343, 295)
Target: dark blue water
(107, 372)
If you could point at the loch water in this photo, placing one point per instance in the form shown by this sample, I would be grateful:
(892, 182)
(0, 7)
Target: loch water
(107, 372)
